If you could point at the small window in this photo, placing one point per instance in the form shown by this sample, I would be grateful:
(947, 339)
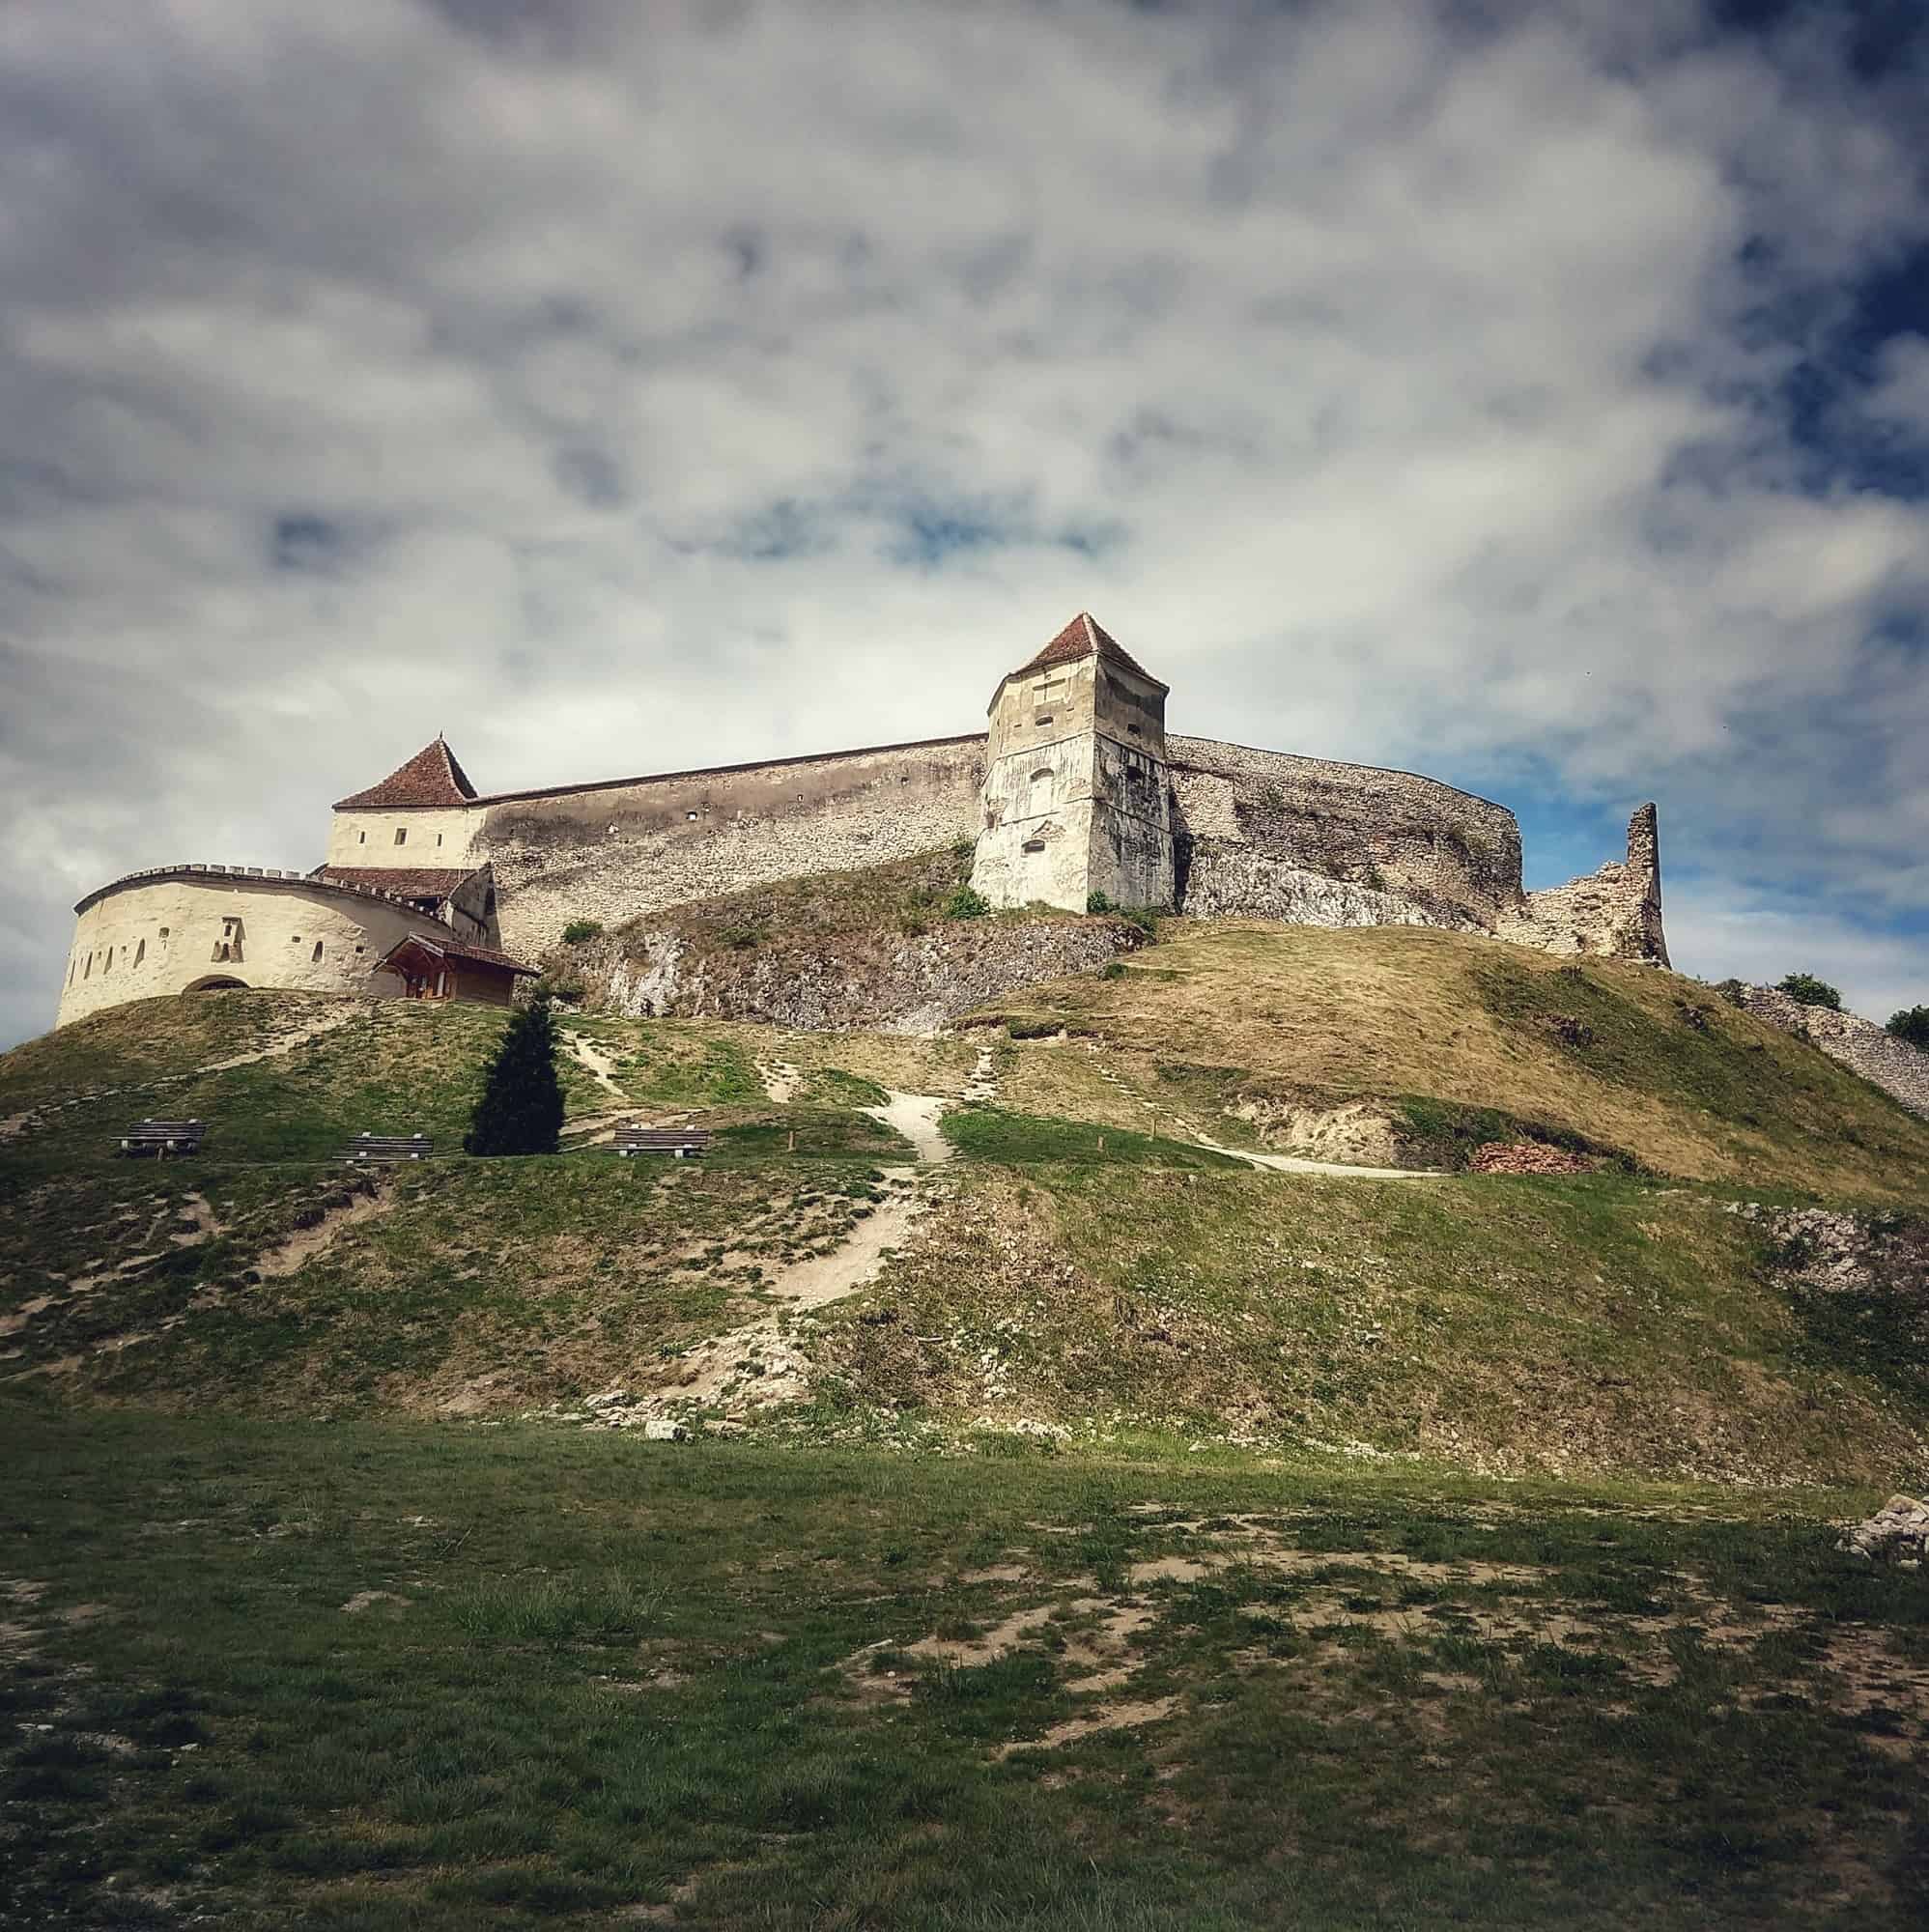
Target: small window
(401, 835)
(1039, 778)
(691, 816)
(1035, 845)
(89, 973)
(1132, 730)
(163, 935)
(294, 940)
(1043, 717)
(317, 954)
(361, 949)
(140, 952)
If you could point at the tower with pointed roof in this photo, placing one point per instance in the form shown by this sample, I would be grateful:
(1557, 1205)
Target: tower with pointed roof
(1077, 795)
(424, 814)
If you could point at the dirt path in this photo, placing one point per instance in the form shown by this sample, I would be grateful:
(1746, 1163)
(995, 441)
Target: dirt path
(305, 1243)
(593, 1061)
(1286, 1163)
(915, 1115)
(780, 1080)
(299, 1034)
(760, 1364)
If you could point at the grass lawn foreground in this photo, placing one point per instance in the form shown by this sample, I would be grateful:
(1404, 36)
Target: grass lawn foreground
(375, 1675)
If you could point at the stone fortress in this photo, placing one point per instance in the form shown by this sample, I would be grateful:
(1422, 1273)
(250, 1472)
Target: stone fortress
(430, 888)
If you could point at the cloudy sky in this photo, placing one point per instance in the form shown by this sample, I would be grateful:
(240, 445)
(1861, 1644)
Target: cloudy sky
(1532, 395)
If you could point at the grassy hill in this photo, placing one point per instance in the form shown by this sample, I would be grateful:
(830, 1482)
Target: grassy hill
(1429, 1041)
(1082, 1267)
(1207, 1611)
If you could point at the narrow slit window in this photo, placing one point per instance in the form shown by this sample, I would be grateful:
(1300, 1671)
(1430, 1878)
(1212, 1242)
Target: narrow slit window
(401, 835)
(140, 952)
(89, 973)
(317, 954)
(361, 838)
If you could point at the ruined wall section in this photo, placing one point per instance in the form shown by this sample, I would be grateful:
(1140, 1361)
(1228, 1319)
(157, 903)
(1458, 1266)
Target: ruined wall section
(1614, 912)
(1899, 1069)
(612, 852)
(1257, 824)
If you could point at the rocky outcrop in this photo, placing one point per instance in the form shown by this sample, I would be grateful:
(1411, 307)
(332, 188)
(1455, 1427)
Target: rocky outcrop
(1898, 1069)
(888, 983)
(1897, 1533)
(1225, 881)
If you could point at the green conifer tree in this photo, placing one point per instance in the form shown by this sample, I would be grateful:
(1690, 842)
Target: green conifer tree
(521, 1109)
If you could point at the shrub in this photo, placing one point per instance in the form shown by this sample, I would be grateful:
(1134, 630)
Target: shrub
(1097, 901)
(744, 938)
(1144, 918)
(1806, 990)
(521, 1109)
(965, 904)
(1732, 991)
(580, 930)
(1113, 968)
(1912, 1024)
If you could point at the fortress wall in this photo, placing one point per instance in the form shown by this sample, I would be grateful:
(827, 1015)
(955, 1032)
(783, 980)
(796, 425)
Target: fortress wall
(1258, 822)
(609, 852)
(164, 932)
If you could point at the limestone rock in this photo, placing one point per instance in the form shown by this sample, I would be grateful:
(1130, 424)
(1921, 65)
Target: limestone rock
(1897, 1533)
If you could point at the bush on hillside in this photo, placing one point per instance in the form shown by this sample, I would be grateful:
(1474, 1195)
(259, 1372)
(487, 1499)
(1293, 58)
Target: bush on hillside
(1097, 901)
(1806, 990)
(580, 930)
(965, 904)
(1912, 1024)
(521, 1109)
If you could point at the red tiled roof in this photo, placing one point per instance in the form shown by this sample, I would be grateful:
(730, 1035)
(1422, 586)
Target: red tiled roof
(1084, 637)
(448, 947)
(432, 777)
(405, 882)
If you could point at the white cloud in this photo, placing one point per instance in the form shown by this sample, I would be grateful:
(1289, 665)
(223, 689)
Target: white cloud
(622, 387)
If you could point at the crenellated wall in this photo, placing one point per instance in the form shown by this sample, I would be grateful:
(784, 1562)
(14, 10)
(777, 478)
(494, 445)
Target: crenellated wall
(176, 928)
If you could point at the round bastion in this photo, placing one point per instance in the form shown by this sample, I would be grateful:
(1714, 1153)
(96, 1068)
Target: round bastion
(185, 928)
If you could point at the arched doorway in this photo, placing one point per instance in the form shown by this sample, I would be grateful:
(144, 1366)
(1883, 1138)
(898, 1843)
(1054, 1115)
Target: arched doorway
(216, 982)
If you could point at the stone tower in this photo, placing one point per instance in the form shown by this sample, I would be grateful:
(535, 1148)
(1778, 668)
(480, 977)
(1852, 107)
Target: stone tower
(1077, 798)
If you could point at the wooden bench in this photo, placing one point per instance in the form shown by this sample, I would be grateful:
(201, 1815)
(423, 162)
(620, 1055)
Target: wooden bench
(679, 1142)
(385, 1149)
(161, 1138)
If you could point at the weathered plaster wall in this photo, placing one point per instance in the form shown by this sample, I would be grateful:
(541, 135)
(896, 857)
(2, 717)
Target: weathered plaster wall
(613, 852)
(430, 836)
(1615, 911)
(1454, 857)
(165, 931)
(1899, 1069)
